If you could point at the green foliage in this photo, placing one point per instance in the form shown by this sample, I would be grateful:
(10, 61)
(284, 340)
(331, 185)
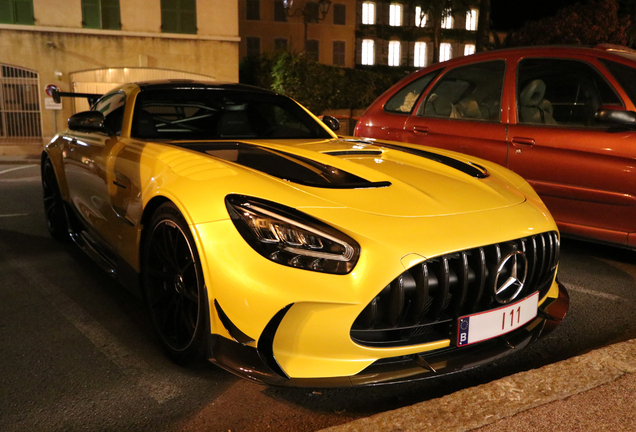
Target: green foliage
(317, 86)
(592, 23)
(257, 71)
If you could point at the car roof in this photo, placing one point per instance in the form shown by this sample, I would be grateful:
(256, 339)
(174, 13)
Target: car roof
(601, 50)
(168, 84)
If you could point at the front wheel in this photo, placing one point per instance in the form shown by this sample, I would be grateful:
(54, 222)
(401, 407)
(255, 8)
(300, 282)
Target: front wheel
(54, 211)
(173, 285)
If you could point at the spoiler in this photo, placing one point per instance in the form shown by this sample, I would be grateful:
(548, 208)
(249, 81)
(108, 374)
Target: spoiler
(57, 95)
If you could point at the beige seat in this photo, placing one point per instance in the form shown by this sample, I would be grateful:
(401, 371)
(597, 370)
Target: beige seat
(533, 108)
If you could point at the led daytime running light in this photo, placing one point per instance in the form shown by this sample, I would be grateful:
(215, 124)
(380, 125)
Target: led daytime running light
(347, 255)
(292, 238)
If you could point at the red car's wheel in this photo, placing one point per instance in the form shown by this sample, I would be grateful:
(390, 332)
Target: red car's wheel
(174, 286)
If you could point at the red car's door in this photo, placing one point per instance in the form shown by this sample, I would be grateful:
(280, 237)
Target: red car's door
(463, 112)
(583, 170)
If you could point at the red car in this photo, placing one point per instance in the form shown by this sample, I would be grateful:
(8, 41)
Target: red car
(562, 117)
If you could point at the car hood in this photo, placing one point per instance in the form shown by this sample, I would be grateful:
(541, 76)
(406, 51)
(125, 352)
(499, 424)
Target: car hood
(384, 178)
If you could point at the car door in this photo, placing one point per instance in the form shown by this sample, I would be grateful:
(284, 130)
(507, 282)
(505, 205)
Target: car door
(582, 169)
(463, 112)
(86, 165)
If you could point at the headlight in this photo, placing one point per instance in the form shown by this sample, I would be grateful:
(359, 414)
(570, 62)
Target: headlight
(289, 237)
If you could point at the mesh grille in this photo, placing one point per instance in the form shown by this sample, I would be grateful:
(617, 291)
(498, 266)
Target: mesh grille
(423, 303)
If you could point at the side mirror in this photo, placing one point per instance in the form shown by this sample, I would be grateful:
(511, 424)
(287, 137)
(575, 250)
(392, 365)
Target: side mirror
(331, 122)
(615, 115)
(88, 121)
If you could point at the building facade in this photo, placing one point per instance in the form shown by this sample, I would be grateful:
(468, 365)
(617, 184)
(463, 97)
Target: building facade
(353, 32)
(401, 34)
(323, 30)
(94, 45)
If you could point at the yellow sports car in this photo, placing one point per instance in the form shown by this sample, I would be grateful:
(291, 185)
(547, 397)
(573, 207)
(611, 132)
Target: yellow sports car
(292, 256)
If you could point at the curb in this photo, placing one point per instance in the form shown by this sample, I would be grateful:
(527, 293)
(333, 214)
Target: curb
(488, 403)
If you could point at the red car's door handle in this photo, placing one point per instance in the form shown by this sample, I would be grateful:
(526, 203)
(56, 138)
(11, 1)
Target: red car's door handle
(420, 129)
(522, 141)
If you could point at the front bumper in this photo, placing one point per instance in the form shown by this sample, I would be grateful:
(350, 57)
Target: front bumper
(258, 363)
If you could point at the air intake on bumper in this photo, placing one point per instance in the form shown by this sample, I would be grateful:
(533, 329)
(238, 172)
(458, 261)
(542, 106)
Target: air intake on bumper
(422, 304)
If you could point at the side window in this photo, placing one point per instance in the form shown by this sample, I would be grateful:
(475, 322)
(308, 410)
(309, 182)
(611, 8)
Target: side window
(112, 106)
(404, 100)
(625, 75)
(561, 92)
(468, 92)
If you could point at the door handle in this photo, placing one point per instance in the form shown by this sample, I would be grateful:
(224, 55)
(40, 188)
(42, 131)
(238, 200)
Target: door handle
(420, 130)
(523, 142)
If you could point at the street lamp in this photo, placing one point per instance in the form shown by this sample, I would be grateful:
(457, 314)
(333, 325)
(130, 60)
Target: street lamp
(308, 12)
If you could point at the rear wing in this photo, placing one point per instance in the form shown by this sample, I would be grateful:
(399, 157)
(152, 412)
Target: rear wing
(57, 95)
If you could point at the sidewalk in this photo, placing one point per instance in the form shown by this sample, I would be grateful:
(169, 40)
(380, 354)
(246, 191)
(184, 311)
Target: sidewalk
(592, 392)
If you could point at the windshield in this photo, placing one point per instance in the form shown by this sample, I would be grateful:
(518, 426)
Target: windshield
(219, 114)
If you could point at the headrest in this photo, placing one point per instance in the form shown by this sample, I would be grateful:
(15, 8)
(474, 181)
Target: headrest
(442, 106)
(532, 94)
(468, 108)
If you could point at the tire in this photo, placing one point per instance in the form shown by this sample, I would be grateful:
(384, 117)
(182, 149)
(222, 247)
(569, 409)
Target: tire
(54, 212)
(173, 286)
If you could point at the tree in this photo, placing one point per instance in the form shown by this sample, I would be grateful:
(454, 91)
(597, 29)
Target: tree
(592, 23)
(483, 26)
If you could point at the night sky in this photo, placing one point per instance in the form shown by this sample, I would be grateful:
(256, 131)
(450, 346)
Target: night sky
(510, 14)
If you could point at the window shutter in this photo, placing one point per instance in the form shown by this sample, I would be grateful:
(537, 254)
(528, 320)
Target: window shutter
(111, 15)
(23, 10)
(189, 16)
(91, 14)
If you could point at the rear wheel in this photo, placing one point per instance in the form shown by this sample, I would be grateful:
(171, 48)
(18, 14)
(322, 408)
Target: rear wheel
(173, 285)
(54, 212)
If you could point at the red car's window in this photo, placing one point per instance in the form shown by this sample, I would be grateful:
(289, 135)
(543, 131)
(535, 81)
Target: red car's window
(470, 92)
(625, 75)
(561, 92)
(404, 100)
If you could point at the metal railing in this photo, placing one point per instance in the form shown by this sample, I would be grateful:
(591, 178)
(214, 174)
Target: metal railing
(20, 114)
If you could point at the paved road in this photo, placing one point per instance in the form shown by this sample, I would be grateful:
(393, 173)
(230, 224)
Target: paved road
(77, 352)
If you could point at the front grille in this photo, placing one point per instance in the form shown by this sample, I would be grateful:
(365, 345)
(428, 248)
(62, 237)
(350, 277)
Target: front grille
(423, 303)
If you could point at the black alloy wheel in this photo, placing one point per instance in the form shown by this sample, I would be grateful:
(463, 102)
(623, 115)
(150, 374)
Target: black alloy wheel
(173, 285)
(54, 212)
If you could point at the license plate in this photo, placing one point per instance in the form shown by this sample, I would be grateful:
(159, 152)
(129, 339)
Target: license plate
(487, 325)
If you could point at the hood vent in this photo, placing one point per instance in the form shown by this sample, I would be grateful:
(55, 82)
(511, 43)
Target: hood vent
(471, 169)
(285, 166)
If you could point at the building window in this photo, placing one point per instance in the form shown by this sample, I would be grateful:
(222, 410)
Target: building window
(447, 20)
(280, 44)
(445, 52)
(420, 17)
(394, 53)
(179, 16)
(338, 53)
(419, 54)
(313, 12)
(253, 10)
(469, 49)
(253, 46)
(101, 14)
(312, 49)
(16, 12)
(395, 14)
(368, 13)
(471, 20)
(280, 14)
(339, 14)
(368, 52)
